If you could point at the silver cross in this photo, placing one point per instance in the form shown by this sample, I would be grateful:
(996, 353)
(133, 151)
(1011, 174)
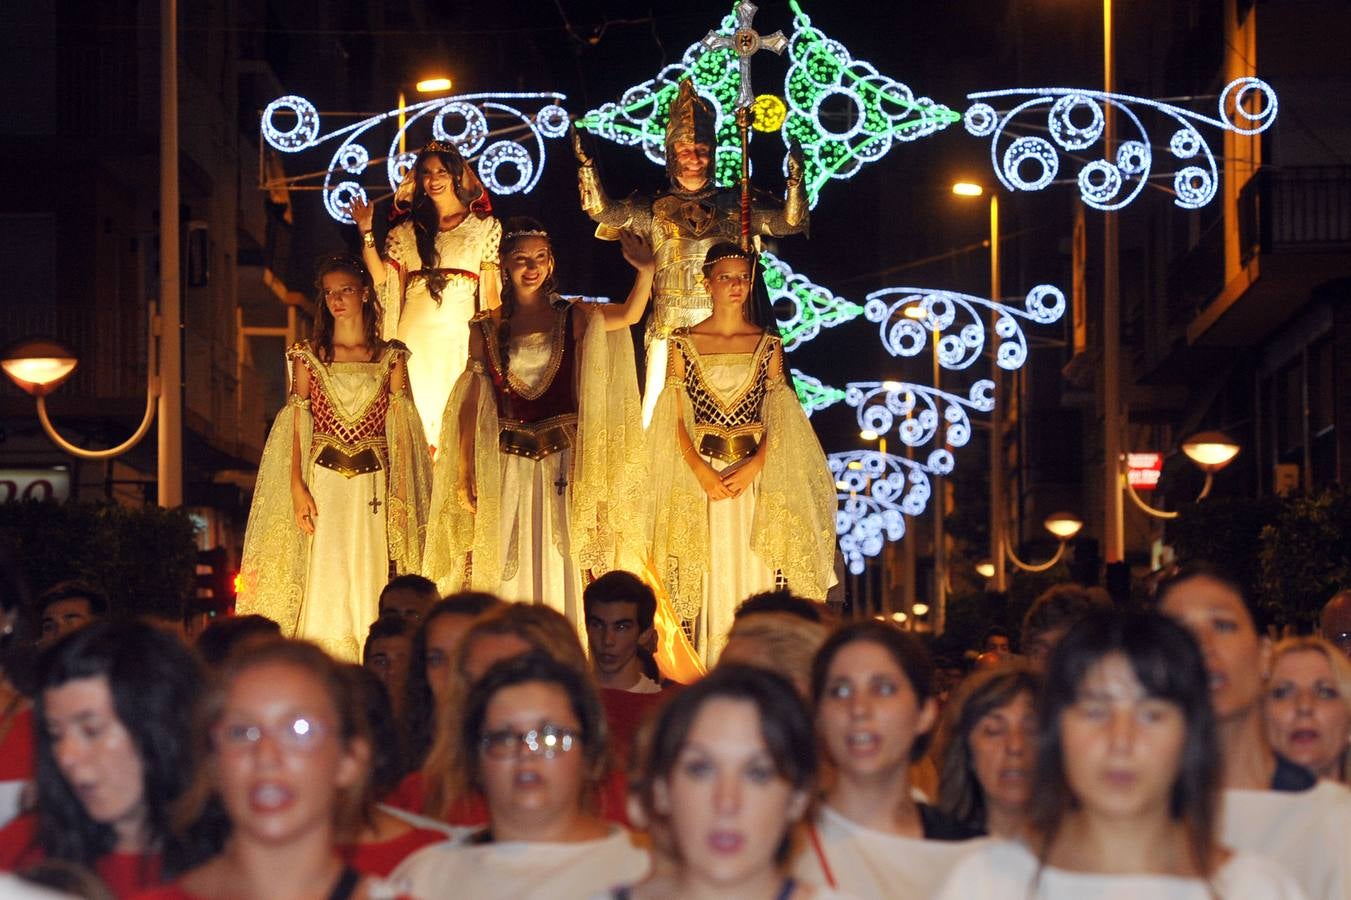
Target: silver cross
(745, 41)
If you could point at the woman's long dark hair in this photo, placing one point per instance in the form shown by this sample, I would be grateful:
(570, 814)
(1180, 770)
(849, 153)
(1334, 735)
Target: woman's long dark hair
(322, 339)
(516, 230)
(427, 221)
(155, 682)
(960, 793)
(911, 657)
(419, 704)
(1169, 665)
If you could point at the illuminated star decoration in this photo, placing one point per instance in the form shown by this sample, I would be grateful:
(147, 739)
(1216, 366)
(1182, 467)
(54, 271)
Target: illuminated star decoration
(884, 110)
(491, 130)
(1074, 120)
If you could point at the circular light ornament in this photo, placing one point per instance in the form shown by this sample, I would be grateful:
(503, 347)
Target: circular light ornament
(770, 111)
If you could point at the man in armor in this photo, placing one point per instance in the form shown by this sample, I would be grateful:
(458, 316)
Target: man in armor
(683, 221)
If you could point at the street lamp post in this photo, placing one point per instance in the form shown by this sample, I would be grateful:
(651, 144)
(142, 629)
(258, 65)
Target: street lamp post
(1062, 525)
(1210, 451)
(1114, 533)
(437, 84)
(998, 539)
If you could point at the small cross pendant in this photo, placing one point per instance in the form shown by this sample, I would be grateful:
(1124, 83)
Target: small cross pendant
(375, 506)
(562, 483)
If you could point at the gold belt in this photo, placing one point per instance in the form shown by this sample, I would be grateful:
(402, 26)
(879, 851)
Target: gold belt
(367, 459)
(536, 440)
(729, 449)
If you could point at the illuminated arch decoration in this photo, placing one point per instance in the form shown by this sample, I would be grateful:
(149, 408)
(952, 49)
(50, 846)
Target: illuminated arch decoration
(922, 415)
(1073, 120)
(492, 130)
(811, 306)
(875, 492)
(908, 317)
(884, 110)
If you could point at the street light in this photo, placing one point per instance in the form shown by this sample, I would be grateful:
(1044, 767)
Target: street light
(1063, 526)
(40, 366)
(435, 85)
(985, 569)
(1210, 451)
(998, 541)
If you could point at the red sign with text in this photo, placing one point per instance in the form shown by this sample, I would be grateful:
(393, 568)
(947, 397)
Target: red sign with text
(1143, 470)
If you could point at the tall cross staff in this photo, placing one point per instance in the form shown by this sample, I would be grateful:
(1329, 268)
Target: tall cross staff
(745, 42)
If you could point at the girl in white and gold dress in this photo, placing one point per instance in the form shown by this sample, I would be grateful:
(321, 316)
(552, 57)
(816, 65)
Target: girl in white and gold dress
(542, 438)
(439, 269)
(344, 480)
(739, 488)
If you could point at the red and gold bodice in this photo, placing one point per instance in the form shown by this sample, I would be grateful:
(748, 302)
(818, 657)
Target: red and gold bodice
(537, 405)
(348, 404)
(726, 426)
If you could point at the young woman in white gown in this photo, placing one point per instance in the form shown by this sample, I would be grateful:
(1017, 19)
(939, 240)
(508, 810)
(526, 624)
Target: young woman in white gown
(739, 488)
(1127, 785)
(344, 481)
(438, 270)
(542, 438)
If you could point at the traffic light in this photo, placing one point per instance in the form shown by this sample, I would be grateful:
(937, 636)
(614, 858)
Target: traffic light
(215, 583)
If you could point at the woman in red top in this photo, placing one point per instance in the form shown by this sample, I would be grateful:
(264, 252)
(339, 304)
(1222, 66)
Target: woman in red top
(113, 707)
(285, 749)
(384, 836)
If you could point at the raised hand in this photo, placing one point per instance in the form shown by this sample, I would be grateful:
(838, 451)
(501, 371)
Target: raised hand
(578, 148)
(637, 250)
(362, 212)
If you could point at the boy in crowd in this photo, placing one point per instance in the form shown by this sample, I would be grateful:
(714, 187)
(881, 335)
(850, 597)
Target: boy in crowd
(620, 610)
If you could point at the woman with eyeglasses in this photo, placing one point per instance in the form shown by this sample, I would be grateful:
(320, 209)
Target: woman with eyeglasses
(740, 492)
(534, 740)
(345, 478)
(283, 748)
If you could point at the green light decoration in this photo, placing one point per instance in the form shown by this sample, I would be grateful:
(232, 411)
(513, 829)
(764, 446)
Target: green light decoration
(878, 111)
(640, 116)
(801, 307)
(812, 394)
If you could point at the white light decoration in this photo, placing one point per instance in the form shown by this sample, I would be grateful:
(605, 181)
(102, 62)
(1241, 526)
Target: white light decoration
(884, 111)
(811, 306)
(1075, 118)
(909, 317)
(876, 491)
(492, 130)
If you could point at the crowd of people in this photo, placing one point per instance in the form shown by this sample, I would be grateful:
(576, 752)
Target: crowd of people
(481, 750)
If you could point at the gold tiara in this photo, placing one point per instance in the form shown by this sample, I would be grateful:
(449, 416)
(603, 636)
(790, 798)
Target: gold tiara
(528, 232)
(442, 147)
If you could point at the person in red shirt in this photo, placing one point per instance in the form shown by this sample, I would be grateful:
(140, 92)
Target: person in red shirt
(382, 836)
(113, 713)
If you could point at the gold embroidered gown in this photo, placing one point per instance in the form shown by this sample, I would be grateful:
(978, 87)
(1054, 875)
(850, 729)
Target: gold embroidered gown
(713, 554)
(365, 462)
(557, 461)
(437, 334)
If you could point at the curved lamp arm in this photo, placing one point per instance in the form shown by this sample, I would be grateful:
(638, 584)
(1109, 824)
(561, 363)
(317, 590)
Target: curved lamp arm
(152, 392)
(1033, 567)
(151, 396)
(1163, 513)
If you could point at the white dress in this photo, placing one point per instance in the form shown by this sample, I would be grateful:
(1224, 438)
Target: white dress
(523, 870)
(437, 334)
(1308, 832)
(873, 864)
(557, 453)
(1004, 870)
(711, 554)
